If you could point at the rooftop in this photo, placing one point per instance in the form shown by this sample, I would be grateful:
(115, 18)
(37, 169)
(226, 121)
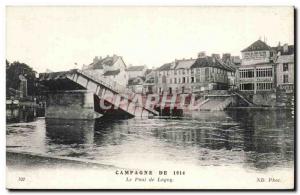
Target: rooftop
(107, 61)
(136, 81)
(111, 72)
(184, 64)
(166, 66)
(210, 62)
(258, 45)
(136, 68)
(289, 51)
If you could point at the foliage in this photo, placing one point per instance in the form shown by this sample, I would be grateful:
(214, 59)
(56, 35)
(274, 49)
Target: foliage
(13, 71)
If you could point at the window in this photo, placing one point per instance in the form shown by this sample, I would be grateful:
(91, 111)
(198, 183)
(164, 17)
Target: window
(246, 86)
(285, 67)
(175, 80)
(192, 80)
(183, 79)
(246, 73)
(264, 72)
(264, 86)
(285, 78)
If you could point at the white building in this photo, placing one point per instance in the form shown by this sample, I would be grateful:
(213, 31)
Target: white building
(111, 68)
(257, 72)
(285, 67)
(136, 71)
(193, 75)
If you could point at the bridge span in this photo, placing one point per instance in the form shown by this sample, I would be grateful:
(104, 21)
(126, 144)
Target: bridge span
(79, 94)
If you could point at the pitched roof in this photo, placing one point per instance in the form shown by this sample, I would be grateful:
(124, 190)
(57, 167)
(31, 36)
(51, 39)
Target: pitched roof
(290, 50)
(148, 71)
(108, 61)
(150, 80)
(257, 46)
(97, 65)
(136, 68)
(167, 66)
(111, 72)
(285, 59)
(185, 64)
(210, 62)
(136, 81)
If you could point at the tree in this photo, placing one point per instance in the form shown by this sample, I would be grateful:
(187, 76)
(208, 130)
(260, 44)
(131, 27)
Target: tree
(14, 70)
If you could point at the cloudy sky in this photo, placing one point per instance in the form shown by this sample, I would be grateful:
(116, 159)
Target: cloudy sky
(57, 37)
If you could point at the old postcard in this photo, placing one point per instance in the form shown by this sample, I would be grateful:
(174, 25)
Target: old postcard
(104, 97)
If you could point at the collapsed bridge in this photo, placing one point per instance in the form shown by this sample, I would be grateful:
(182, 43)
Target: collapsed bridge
(78, 94)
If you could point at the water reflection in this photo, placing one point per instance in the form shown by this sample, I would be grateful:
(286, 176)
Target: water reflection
(70, 131)
(23, 114)
(15, 115)
(257, 139)
(268, 137)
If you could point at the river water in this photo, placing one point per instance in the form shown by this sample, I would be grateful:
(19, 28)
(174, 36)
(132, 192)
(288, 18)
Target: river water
(256, 140)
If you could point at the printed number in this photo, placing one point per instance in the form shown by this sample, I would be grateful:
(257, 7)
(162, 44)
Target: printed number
(21, 178)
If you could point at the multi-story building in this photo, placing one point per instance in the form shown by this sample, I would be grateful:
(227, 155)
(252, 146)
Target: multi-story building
(257, 70)
(193, 75)
(266, 71)
(212, 73)
(233, 62)
(285, 67)
(113, 68)
(149, 85)
(136, 71)
(136, 84)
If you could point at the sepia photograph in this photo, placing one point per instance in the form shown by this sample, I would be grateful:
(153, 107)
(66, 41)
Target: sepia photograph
(150, 97)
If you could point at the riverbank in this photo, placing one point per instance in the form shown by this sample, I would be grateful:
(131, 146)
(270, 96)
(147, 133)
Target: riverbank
(260, 108)
(87, 176)
(29, 160)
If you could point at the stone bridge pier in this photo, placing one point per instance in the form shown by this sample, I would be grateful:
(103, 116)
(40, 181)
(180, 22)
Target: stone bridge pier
(72, 104)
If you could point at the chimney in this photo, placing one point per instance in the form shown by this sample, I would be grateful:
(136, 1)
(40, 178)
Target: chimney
(214, 55)
(226, 56)
(285, 48)
(95, 59)
(201, 54)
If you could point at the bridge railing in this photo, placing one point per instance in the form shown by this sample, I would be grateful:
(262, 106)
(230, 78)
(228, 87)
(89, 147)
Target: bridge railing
(113, 85)
(109, 83)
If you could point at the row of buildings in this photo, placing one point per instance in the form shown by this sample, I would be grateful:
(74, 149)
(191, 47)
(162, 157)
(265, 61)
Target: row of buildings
(260, 73)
